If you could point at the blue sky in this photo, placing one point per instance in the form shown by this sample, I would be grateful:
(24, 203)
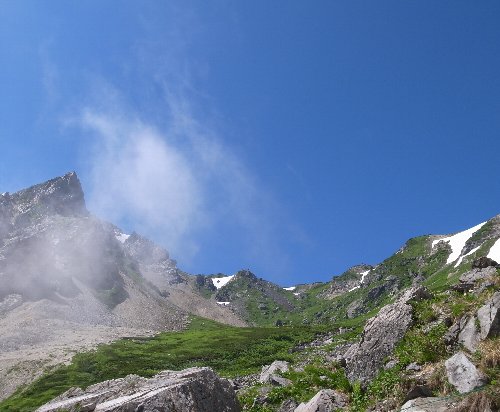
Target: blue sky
(292, 138)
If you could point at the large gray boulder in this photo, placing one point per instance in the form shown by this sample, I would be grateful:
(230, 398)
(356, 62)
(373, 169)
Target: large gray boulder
(190, 390)
(462, 373)
(429, 404)
(478, 274)
(269, 372)
(489, 317)
(326, 400)
(469, 334)
(380, 335)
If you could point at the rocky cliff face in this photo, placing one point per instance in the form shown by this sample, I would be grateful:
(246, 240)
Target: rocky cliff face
(81, 278)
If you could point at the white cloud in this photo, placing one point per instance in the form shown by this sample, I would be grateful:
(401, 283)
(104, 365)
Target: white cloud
(139, 177)
(178, 184)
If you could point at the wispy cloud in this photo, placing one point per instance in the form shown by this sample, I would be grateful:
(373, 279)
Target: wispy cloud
(138, 176)
(179, 183)
(162, 166)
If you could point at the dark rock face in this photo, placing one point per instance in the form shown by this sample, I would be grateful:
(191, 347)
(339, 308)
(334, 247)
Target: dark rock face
(380, 336)
(191, 390)
(484, 262)
(419, 391)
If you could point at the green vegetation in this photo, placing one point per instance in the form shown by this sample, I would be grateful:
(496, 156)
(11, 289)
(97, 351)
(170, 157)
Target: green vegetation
(228, 350)
(304, 386)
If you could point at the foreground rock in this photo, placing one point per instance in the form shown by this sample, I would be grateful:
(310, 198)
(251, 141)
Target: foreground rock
(462, 373)
(326, 400)
(489, 317)
(191, 390)
(271, 372)
(429, 404)
(380, 336)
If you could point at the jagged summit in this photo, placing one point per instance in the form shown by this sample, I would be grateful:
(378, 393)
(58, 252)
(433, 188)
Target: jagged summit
(59, 196)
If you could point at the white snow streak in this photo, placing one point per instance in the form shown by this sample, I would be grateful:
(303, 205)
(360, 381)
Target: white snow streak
(361, 281)
(219, 282)
(291, 288)
(224, 303)
(494, 252)
(363, 275)
(467, 254)
(457, 242)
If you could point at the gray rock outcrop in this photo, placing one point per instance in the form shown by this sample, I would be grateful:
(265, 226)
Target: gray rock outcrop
(270, 371)
(466, 332)
(489, 317)
(191, 390)
(428, 404)
(462, 373)
(326, 400)
(380, 336)
(469, 334)
(478, 274)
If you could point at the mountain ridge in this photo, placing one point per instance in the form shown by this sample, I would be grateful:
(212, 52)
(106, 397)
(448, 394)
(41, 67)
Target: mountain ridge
(88, 282)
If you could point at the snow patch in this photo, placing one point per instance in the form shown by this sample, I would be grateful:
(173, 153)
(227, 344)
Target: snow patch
(291, 288)
(296, 293)
(224, 303)
(363, 275)
(361, 281)
(219, 282)
(457, 242)
(467, 254)
(122, 237)
(494, 252)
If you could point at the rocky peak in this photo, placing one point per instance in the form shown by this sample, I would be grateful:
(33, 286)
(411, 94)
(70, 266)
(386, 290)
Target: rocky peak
(59, 196)
(146, 251)
(245, 273)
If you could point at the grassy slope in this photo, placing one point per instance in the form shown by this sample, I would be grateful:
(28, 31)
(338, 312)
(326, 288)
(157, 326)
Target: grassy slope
(228, 350)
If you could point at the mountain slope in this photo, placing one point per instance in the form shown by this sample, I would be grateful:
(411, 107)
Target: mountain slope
(69, 280)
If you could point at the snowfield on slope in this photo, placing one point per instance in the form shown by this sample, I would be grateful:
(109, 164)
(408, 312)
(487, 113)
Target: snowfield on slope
(494, 252)
(222, 281)
(457, 242)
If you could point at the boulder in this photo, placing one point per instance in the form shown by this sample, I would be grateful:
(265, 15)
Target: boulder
(273, 369)
(380, 335)
(462, 373)
(428, 404)
(489, 317)
(484, 262)
(279, 381)
(326, 400)
(477, 274)
(190, 390)
(469, 334)
(463, 331)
